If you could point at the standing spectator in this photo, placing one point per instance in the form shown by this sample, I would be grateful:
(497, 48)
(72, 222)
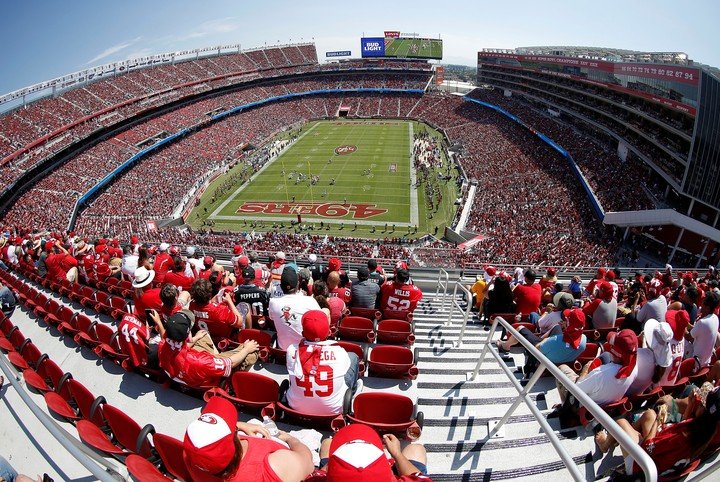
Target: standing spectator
(704, 333)
(163, 262)
(145, 296)
(286, 311)
(314, 267)
(528, 294)
(129, 262)
(364, 293)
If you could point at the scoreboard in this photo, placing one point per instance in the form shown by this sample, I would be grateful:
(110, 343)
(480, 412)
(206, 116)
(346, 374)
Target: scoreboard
(401, 47)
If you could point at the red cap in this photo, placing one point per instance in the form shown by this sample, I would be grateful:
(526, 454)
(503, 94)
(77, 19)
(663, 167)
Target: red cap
(601, 272)
(174, 250)
(334, 264)
(315, 325)
(610, 275)
(209, 444)
(606, 290)
(624, 346)
(49, 245)
(346, 462)
(208, 261)
(678, 321)
(576, 324)
(551, 271)
(243, 261)
(237, 249)
(133, 239)
(491, 270)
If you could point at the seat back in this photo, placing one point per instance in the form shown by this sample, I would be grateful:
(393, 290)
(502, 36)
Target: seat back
(263, 338)
(142, 469)
(126, 430)
(254, 387)
(391, 354)
(356, 328)
(382, 407)
(395, 331)
(170, 450)
(370, 313)
(85, 401)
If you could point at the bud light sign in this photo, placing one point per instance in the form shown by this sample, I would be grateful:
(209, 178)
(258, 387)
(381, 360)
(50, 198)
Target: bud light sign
(372, 46)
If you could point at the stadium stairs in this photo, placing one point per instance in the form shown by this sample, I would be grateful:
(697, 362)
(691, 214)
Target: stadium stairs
(456, 412)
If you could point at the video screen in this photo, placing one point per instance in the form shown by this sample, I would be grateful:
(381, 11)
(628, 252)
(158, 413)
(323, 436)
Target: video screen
(403, 48)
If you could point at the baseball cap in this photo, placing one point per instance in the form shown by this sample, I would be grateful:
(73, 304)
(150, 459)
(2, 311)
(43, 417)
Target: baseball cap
(356, 453)
(133, 239)
(209, 443)
(551, 271)
(163, 247)
(143, 277)
(208, 261)
(624, 346)
(191, 250)
(678, 321)
(279, 255)
(315, 325)
(312, 258)
(178, 325)
(606, 290)
(563, 300)
(334, 264)
(289, 279)
(491, 270)
(248, 272)
(237, 249)
(243, 261)
(253, 256)
(657, 335)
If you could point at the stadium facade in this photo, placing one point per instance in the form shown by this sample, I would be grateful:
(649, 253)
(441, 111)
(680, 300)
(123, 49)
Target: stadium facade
(658, 108)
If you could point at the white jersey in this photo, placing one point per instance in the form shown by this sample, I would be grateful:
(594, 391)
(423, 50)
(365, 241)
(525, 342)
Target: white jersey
(286, 313)
(677, 349)
(704, 333)
(324, 393)
(645, 369)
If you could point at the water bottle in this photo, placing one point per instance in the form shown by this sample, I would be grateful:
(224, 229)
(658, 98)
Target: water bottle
(270, 426)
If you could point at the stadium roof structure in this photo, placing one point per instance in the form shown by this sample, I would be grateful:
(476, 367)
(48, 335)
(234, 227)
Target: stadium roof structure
(602, 53)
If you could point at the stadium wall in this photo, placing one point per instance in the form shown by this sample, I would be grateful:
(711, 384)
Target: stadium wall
(594, 202)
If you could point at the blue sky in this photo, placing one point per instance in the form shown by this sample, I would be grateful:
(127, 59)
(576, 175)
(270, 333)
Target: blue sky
(43, 39)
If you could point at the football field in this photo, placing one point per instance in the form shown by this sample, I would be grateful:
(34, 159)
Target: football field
(347, 177)
(414, 47)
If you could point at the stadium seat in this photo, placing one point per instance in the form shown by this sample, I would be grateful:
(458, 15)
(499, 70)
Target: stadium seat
(318, 422)
(263, 338)
(108, 343)
(356, 328)
(687, 367)
(86, 331)
(68, 326)
(170, 450)
(137, 360)
(361, 353)
(94, 437)
(59, 400)
(250, 392)
(13, 340)
(397, 315)
(647, 398)
(142, 470)
(395, 332)
(90, 407)
(102, 302)
(370, 313)
(127, 433)
(387, 413)
(26, 356)
(615, 409)
(392, 362)
(592, 351)
(54, 313)
(41, 305)
(45, 377)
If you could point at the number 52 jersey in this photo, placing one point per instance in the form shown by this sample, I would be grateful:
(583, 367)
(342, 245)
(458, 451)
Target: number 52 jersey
(399, 297)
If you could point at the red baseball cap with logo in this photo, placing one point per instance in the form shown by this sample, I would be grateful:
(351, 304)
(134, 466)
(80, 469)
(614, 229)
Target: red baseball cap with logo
(209, 444)
(356, 453)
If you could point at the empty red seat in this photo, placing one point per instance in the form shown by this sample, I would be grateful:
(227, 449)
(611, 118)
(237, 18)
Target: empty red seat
(119, 307)
(392, 362)
(370, 313)
(395, 332)
(45, 377)
(251, 392)
(13, 340)
(592, 350)
(143, 470)
(54, 313)
(60, 399)
(386, 413)
(263, 338)
(170, 450)
(68, 325)
(86, 331)
(26, 356)
(41, 305)
(356, 328)
(126, 431)
(89, 406)
(108, 343)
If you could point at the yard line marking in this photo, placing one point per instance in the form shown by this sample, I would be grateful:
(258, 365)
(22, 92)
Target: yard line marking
(413, 190)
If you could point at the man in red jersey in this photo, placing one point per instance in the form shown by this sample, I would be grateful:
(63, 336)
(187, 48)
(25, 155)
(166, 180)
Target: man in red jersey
(61, 264)
(197, 366)
(177, 276)
(145, 296)
(163, 262)
(398, 296)
(217, 318)
(528, 294)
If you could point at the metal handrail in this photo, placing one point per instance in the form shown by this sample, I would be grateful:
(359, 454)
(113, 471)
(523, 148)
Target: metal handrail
(82, 454)
(639, 455)
(455, 304)
(442, 273)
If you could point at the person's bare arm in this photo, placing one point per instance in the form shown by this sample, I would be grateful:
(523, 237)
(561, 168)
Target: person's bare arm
(403, 465)
(239, 320)
(155, 317)
(294, 464)
(248, 347)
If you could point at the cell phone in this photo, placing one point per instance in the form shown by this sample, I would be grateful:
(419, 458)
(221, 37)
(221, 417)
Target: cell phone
(47, 478)
(148, 313)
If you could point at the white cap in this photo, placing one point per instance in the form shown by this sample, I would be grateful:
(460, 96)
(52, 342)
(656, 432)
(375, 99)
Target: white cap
(163, 247)
(191, 250)
(279, 255)
(312, 258)
(657, 336)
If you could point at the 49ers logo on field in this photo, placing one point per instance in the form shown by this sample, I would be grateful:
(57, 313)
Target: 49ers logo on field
(346, 149)
(326, 210)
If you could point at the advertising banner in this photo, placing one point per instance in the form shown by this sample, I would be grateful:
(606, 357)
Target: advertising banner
(439, 75)
(338, 53)
(372, 46)
(392, 33)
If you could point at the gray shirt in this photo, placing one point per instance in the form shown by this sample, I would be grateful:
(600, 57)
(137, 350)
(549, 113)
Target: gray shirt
(364, 294)
(653, 309)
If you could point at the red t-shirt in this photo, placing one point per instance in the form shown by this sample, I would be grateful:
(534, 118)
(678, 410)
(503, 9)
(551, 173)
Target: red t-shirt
(217, 318)
(254, 464)
(399, 297)
(57, 266)
(163, 261)
(132, 337)
(342, 293)
(192, 367)
(180, 280)
(527, 298)
(150, 300)
(669, 449)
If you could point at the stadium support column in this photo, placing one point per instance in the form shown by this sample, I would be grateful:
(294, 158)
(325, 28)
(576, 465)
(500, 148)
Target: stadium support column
(677, 242)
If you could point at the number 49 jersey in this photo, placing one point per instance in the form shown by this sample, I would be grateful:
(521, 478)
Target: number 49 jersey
(399, 297)
(323, 393)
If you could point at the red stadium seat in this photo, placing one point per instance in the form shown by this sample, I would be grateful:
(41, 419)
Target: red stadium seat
(361, 353)
(687, 367)
(68, 326)
(137, 359)
(392, 362)
(13, 340)
(395, 332)
(41, 306)
(45, 377)
(615, 409)
(127, 432)
(170, 450)
(119, 307)
(102, 302)
(94, 437)
(26, 356)
(592, 351)
(90, 407)
(142, 470)
(397, 315)
(86, 331)
(251, 392)
(387, 413)
(370, 313)
(60, 399)
(263, 338)
(54, 313)
(356, 328)
(108, 343)
(648, 397)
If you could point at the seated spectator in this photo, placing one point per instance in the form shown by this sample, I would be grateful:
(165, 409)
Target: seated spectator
(250, 299)
(672, 446)
(145, 296)
(478, 290)
(678, 321)
(546, 323)
(219, 447)
(575, 287)
(656, 305)
(136, 334)
(704, 333)
(356, 453)
(163, 262)
(646, 372)
(194, 361)
(172, 301)
(287, 310)
(527, 295)
(500, 297)
(377, 275)
(8, 300)
(177, 276)
(657, 336)
(332, 306)
(601, 312)
(129, 262)
(61, 265)
(606, 379)
(337, 289)
(214, 317)
(320, 371)
(398, 296)
(364, 293)
(314, 267)
(688, 302)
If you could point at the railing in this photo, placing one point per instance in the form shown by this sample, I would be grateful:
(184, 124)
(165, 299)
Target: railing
(442, 274)
(641, 457)
(100, 468)
(454, 303)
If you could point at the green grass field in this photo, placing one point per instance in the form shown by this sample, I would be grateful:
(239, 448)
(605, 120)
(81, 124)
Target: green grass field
(363, 183)
(411, 47)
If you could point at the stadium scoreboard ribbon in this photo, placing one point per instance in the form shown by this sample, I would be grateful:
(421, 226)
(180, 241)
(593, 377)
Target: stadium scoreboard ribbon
(338, 53)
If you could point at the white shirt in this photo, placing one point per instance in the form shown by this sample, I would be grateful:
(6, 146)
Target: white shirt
(645, 368)
(286, 313)
(323, 393)
(602, 386)
(653, 309)
(548, 321)
(677, 350)
(129, 265)
(704, 334)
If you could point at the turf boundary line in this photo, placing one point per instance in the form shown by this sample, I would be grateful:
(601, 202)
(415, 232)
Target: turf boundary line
(414, 216)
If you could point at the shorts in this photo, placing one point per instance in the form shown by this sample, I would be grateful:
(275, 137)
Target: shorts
(422, 468)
